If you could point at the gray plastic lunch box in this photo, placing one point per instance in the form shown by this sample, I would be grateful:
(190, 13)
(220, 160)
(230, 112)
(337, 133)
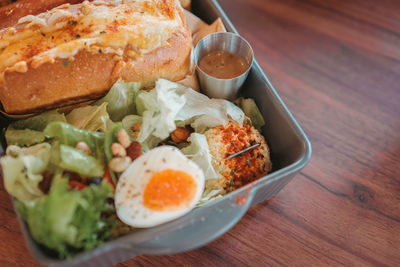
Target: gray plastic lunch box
(290, 152)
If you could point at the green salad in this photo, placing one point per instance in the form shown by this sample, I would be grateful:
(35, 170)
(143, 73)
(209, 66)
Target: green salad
(62, 170)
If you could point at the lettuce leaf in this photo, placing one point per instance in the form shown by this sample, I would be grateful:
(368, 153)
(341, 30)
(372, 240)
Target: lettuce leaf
(26, 137)
(161, 105)
(70, 135)
(129, 121)
(170, 104)
(68, 221)
(202, 112)
(111, 137)
(38, 122)
(121, 99)
(212, 190)
(76, 160)
(22, 168)
(251, 110)
(91, 118)
(199, 152)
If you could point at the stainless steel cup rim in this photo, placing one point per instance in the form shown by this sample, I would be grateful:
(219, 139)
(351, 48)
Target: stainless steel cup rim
(196, 57)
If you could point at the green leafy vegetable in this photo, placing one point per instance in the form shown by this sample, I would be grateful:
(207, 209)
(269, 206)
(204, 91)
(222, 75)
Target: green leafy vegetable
(92, 118)
(212, 190)
(38, 122)
(26, 137)
(129, 121)
(76, 160)
(68, 221)
(251, 110)
(162, 104)
(199, 152)
(22, 169)
(170, 104)
(202, 112)
(121, 99)
(111, 137)
(70, 135)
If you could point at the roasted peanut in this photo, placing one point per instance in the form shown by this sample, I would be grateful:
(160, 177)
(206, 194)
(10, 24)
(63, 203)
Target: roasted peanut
(134, 150)
(84, 147)
(118, 150)
(135, 135)
(123, 138)
(119, 164)
(135, 130)
(136, 127)
(180, 134)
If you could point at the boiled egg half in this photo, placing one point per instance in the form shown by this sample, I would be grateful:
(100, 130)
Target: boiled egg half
(159, 186)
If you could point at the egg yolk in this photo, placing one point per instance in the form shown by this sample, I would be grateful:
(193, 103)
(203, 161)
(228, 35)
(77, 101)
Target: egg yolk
(169, 190)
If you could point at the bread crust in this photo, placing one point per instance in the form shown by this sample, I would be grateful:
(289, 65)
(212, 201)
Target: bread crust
(11, 13)
(89, 75)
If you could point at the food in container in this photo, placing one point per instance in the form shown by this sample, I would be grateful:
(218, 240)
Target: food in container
(166, 237)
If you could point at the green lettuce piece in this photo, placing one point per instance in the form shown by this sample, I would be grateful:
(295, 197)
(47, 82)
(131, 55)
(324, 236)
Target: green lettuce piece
(121, 99)
(26, 137)
(38, 122)
(76, 160)
(92, 118)
(111, 137)
(69, 221)
(23, 168)
(203, 113)
(161, 105)
(170, 104)
(212, 190)
(130, 121)
(251, 110)
(199, 152)
(70, 135)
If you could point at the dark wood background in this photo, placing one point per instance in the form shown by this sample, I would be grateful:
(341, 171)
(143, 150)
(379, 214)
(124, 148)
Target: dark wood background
(336, 65)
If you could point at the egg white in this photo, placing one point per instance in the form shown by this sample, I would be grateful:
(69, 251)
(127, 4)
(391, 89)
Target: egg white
(131, 185)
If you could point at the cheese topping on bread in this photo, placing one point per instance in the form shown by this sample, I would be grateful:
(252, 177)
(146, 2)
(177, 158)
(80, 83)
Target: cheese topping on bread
(125, 28)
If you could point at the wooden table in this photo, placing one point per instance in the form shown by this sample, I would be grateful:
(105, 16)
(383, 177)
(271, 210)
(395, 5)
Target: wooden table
(336, 65)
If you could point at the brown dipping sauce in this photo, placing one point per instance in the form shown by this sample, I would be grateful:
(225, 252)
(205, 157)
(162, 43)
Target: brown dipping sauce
(223, 65)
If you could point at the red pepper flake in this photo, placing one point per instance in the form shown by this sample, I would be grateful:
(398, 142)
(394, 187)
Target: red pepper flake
(76, 185)
(113, 28)
(108, 178)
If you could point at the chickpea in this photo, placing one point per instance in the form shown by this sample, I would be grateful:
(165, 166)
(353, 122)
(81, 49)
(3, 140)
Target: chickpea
(119, 164)
(118, 150)
(123, 138)
(84, 147)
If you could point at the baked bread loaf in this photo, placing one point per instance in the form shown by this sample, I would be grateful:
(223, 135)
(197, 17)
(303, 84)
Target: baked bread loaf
(74, 53)
(12, 11)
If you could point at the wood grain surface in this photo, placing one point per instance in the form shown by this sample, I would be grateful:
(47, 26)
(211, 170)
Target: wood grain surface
(336, 65)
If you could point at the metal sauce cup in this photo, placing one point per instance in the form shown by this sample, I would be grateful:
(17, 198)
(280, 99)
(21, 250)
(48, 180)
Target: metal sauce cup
(229, 42)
